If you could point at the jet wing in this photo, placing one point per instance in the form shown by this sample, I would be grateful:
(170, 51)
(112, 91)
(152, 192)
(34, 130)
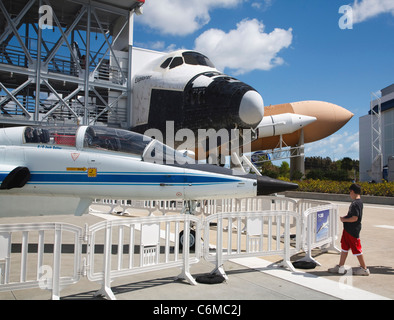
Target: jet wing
(13, 176)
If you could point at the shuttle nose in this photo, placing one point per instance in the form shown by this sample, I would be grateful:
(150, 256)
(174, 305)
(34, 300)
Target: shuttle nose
(251, 108)
(267, 185)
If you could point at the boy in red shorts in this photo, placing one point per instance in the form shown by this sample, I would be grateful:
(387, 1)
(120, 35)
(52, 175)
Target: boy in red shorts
(351, 234)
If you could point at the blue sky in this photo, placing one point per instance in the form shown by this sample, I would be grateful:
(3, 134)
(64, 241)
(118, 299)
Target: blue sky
(287, 50)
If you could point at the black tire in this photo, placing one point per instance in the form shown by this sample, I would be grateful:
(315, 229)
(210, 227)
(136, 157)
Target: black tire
(210, 278)
(304, 264)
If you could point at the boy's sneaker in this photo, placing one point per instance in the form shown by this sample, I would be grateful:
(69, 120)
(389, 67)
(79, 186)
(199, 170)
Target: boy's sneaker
(337, 269)
(360, 271)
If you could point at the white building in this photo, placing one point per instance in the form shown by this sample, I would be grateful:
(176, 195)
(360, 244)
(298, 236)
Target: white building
(377, 138)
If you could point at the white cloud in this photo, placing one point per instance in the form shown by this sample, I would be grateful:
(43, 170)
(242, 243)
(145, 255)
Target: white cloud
(336, 146)
(158, 46)
(367, 9)
(246, 48)
(262, 5)
(257, 5)
(180, 17)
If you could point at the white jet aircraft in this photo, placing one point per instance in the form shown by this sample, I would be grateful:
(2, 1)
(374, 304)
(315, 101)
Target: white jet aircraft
(60, 170)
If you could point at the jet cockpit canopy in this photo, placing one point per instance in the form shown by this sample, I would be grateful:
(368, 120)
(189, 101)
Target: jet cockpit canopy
(100, 138)
(146, 148)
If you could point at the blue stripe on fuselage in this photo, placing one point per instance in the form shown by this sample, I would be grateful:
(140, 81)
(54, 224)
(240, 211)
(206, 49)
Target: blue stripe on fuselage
(3, 176)
(125, 178)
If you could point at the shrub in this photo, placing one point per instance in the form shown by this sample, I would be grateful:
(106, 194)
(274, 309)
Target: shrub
(384, 189)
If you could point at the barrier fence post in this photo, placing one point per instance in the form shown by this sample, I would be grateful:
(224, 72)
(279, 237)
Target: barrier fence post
(5, 249)
(219, 249)
(2, 272)
(334, 229)
(286, 257)
(105, 289)
(185, 274)
(56, 262)
(308, 256)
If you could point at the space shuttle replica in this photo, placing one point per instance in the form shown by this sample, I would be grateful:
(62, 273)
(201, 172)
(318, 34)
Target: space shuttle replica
(184, 87)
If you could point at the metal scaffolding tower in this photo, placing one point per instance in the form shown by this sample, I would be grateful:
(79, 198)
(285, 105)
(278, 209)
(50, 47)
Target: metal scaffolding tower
(376, 172)
(66, 62)
(296, 154)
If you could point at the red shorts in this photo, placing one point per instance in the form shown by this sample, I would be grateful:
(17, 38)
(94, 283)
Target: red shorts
(350, 242)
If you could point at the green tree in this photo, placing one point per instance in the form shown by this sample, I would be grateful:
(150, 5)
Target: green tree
(269, 169)
(347, 164)
(284, 170)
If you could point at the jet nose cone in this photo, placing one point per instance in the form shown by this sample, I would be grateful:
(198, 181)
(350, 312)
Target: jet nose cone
(251, 108)
(267, 185)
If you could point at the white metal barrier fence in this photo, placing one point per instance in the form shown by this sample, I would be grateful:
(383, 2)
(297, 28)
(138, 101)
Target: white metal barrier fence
(139, 242)
(319, 228)
(205, 207)
(135, 245)
(304, 204)
(265, 233)
(121, 206)
(115, 249)
(42, 243)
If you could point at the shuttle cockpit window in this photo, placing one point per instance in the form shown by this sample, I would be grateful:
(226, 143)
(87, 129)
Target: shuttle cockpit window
(189, 57)
(166, 63)
(111, 139)
(176, 62)
(195, 58)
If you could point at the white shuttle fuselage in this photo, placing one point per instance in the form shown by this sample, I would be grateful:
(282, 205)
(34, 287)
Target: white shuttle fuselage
(185, 87)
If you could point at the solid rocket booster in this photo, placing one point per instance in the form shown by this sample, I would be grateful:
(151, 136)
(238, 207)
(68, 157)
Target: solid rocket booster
(285, 123)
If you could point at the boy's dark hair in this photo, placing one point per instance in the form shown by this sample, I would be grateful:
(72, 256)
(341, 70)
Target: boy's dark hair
(356, 188)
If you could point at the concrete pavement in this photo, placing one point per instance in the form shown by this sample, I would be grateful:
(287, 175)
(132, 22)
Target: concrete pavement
(251, 278)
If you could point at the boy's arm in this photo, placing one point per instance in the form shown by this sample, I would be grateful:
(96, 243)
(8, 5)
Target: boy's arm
(353, 214)
(351, 219)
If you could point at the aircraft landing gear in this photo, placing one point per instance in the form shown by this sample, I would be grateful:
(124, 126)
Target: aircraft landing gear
(189, 207)
(192, 239)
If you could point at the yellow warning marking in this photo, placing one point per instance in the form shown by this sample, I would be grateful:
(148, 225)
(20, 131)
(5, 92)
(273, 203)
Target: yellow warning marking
(92, 172)
(76, 169)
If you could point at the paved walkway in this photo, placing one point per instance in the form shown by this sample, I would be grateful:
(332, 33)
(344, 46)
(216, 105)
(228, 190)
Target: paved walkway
(251, 278)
